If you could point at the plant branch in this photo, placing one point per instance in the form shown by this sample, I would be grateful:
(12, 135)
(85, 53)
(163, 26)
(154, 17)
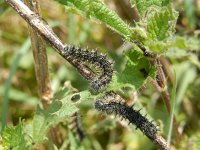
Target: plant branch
(161, 143)
(161, 81)
(41, 67)
(166, 68)
(145, 51)
(40, 58)
(44, 30)
(161, 85)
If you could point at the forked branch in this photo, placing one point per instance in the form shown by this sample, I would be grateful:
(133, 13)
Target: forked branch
(44, 30)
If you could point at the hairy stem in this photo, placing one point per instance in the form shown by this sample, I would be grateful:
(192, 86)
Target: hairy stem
(162, 87)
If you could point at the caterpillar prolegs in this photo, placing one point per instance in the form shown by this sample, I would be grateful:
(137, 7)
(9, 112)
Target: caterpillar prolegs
(99, 80)
(112, 104)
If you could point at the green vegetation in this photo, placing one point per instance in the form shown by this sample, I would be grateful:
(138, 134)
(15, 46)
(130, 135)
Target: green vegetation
(159, 39)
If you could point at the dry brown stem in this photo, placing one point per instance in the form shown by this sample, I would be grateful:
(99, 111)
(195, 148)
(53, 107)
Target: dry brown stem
(161, 85)
(41, 66)
(166, 68)
(40, 58)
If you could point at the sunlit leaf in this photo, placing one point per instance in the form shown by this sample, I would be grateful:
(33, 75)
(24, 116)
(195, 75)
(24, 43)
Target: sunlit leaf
(162, 24)
(135, 73)
(143, 5)
(57, 112)
(60, 110)
(14, 138)
(97, 9)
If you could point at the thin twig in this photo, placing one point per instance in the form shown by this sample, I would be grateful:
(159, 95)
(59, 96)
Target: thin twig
(145, 51)
(128, 11)
(41, 66)
(40, 58)
(43, 29)
(166, 68)
(161, 85)
(161, 81)
(161, 143)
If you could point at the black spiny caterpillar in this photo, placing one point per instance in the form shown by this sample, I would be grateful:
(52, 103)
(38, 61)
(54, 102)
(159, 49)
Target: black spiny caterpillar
(92, 57)
(127, 112)
(75, 126)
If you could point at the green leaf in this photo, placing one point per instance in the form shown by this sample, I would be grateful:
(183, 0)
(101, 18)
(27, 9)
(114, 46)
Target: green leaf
(144, 5)
(57, 112)
(136, 71)
(14, 138)
(97, 9)
(157, 46)
(162, 24)
(175, 43)
(61, 108)
(188, 43)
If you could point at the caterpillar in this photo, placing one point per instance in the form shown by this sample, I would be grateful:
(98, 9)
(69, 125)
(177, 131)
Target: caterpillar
(75, 126)
(110, 106)
(94, 58)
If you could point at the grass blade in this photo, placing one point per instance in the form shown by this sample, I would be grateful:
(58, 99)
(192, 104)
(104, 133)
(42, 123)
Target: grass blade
(173, 102)
(22, 51)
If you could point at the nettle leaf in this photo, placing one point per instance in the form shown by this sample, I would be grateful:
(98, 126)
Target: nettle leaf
(182, 43)
(144, 5)
(160, 29)
(57, 112)
(187, 43)
(14, 138)
(162, 24)
(157, 46)
(135, 73)
(61, 108)
(139, 33)
(43, 120)
(97, 9)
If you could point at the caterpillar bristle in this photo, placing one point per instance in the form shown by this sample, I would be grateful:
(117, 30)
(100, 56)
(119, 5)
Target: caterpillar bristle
(132, 105)
(139, 110)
